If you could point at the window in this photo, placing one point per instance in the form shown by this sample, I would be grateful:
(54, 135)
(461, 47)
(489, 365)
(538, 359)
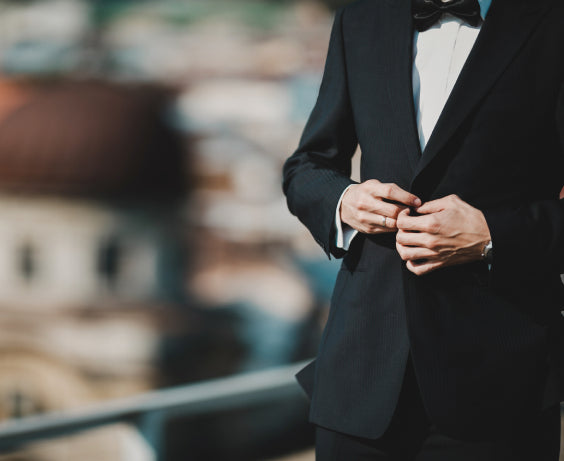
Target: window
(109, 261)
(27, 261)
(18, 404)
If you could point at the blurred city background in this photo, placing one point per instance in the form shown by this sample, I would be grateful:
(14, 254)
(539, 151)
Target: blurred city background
(144, 238)
(145, 243)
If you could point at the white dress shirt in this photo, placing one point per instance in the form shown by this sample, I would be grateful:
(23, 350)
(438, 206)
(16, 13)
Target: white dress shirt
(439, 54)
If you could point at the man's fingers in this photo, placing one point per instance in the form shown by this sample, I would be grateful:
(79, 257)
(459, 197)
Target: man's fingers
(427, 223)
(390, 223)
(379, 207)
(390, 191)
(434, 206)
(416, 253)
(373, 222)
(424, 267)
(417, 239)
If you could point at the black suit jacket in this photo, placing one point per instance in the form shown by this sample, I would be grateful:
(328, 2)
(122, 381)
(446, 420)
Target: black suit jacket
(483, 343)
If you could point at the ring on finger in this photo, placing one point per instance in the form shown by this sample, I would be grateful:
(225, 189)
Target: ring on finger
(384, 218)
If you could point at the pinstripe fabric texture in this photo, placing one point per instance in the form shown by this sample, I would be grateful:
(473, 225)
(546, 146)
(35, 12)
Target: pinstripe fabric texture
(482, 344)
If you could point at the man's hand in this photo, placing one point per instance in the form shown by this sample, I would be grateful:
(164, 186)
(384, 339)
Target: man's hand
(449, 232)
(364, 206)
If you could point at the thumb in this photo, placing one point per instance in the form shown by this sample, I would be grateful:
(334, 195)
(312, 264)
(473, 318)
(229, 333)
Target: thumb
(434, 206)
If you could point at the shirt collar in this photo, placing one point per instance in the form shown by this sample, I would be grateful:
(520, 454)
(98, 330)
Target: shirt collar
(484, 7)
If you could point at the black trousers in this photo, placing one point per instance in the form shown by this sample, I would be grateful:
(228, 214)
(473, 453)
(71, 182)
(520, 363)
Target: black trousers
(412, 437)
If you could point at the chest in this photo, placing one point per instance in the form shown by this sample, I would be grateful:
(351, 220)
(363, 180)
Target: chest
(439, 55)
(493, 98)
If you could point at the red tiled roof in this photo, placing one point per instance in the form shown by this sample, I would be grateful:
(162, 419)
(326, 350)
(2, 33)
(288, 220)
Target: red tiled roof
(91, 138)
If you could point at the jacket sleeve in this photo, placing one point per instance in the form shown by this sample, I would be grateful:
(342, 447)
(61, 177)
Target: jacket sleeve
(318, 172)
(529, 240)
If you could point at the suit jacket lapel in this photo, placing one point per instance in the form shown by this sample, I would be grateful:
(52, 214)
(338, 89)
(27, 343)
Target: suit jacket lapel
(398, 66)
(506, 28)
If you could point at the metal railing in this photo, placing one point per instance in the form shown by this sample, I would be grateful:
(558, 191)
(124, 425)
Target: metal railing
(150, 412)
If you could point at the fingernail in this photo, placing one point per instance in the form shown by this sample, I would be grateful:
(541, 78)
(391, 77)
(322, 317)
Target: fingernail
(417, 202)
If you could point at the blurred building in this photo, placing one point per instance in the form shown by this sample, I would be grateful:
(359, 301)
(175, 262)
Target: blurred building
(144, 238)
(84, 248)
(90, 178)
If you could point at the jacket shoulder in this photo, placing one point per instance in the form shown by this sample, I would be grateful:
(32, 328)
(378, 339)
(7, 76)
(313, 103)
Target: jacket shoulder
(365, 5)
(361, 10)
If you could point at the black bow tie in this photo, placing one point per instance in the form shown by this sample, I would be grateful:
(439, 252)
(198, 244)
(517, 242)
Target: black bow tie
(428, 12)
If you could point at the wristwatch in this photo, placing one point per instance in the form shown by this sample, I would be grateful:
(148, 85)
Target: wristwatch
(487, 252)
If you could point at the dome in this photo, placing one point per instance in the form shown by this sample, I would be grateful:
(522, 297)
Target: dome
(92, 139)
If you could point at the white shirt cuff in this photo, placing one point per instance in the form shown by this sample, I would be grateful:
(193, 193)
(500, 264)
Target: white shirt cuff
(345, 233)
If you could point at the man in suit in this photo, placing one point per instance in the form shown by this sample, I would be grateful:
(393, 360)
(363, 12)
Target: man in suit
(445, 334)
